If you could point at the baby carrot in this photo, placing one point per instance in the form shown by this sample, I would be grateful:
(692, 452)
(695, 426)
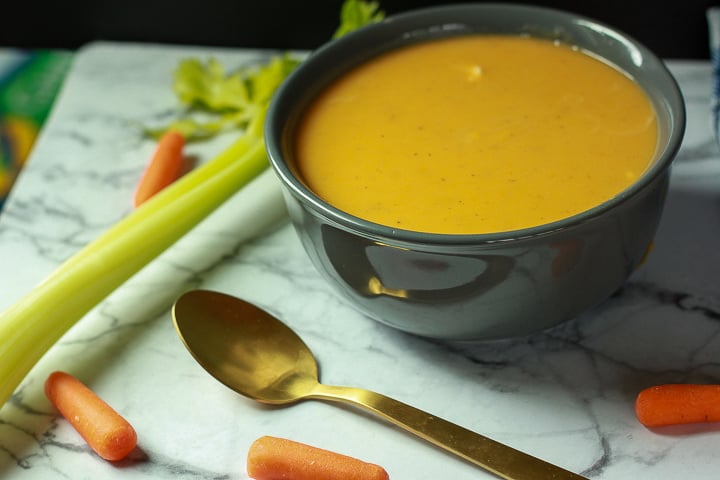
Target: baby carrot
(164, 167)
(273, 458)
(675, 404)
(104, 430)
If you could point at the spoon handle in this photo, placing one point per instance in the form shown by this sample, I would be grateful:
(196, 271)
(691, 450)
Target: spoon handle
(502, 460)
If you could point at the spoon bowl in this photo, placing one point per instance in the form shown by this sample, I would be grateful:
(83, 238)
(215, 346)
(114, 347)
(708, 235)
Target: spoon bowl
(258, 356)
(241, 345)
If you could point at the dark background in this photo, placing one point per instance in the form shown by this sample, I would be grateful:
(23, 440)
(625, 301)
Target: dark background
(671, 28)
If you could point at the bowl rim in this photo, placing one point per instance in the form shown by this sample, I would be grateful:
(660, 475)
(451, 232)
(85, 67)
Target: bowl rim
(396, 25)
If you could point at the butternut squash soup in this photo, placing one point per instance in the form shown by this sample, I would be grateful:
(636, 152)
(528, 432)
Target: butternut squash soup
(476, 134)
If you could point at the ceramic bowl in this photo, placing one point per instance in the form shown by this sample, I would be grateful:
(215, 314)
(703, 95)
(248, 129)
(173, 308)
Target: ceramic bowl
(485, 286)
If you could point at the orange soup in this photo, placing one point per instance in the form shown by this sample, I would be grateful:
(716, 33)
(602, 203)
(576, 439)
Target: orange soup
(476, 134)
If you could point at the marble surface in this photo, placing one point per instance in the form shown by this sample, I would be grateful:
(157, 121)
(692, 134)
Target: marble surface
(565, 395)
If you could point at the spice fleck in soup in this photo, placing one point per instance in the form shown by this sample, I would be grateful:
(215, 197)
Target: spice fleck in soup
(476, 134)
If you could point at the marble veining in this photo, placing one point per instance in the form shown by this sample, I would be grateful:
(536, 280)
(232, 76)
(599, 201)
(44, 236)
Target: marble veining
(565, 394)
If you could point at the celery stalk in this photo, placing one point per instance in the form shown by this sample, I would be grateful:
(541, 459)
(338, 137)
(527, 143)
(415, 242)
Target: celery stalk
(33, 324)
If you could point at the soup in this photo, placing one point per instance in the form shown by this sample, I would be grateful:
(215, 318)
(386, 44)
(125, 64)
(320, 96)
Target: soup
(476, 134)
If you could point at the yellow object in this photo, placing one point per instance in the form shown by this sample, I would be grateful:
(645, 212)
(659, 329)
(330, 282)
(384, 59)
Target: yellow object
(22, 133)
(5, 181)
(476, 134)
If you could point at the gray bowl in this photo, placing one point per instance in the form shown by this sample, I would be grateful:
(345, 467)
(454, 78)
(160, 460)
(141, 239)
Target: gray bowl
(472, 287)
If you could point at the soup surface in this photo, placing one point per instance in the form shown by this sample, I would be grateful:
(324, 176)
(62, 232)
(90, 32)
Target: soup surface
(476, 134)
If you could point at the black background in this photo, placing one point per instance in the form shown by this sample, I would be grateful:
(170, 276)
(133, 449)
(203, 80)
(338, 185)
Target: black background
(670, 28)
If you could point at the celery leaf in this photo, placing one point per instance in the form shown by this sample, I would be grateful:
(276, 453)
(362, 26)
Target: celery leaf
(217, 100)
(356, 14)
(208, 86)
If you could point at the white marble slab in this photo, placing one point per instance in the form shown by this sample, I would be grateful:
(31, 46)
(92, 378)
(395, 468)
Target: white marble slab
(565, 395)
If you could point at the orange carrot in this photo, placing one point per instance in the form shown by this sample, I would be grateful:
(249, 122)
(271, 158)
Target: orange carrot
(104, 430)
(165, 167)
(675, 404)
(272, 458)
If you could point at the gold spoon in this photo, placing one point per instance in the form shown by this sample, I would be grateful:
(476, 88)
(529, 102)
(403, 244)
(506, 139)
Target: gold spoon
(259, 357)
